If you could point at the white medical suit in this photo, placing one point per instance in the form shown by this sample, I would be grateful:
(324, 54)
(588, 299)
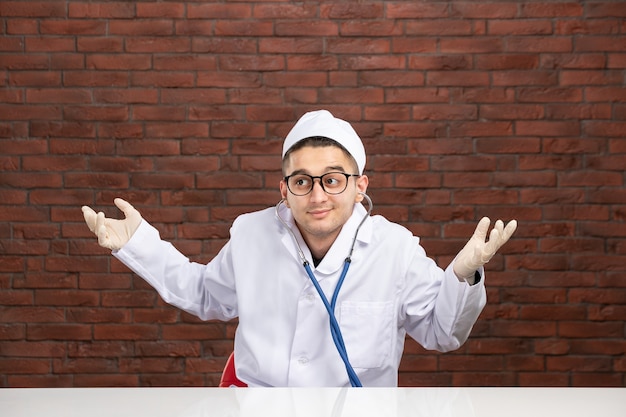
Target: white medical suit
(283, 337)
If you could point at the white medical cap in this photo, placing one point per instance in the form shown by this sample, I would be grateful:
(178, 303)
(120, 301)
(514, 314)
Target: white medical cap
(323, 123)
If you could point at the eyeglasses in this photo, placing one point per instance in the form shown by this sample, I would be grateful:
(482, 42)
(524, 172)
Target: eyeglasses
(331, 182)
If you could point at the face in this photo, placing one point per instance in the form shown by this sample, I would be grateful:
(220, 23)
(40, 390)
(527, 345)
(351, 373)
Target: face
(318, 215)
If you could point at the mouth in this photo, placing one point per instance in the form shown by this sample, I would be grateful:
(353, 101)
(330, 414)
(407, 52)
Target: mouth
(319, 213)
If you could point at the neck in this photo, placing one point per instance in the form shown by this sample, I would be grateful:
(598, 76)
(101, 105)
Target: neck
(319, 247)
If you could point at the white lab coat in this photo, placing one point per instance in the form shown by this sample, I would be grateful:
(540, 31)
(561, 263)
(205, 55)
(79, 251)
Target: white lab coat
(283, 337)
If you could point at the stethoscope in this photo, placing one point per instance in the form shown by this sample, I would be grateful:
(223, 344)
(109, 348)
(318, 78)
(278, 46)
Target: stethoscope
(330, 307)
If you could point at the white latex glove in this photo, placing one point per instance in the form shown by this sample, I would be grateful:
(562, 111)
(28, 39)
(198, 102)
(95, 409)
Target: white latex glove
(477, 251)
(112, 233)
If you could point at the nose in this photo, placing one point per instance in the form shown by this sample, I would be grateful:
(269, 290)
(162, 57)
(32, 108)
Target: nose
(318, 193)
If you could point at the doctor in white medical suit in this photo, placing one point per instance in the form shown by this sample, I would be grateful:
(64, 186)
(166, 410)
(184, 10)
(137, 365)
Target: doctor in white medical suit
(324, 291)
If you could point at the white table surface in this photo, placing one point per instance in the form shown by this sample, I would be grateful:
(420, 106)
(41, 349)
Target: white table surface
(317, 402)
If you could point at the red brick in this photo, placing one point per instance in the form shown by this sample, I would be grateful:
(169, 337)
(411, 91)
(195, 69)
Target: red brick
(32, 9)
(415, 45)
(84, 366)
(573, 61)
(548, 94)
(58, 332)
(118, 62)
(97, 315)
(57, 95)
(605, 9)
(12, 331)
(590, 77)
(121, 299)
(373, 62)
(538, 329)
(538, 44)
(594, 379)
(497, 378)
(309, 27)
(183, 349)
(229, 28)
(435, 28)
(89, 349)
(412, 10)
(183, 164)
(484, 95)
(125, 332)
(100, 44)
(193, 332)
(591, 347)
(22, 26)
(35, 78)
(176, 130)
(25, 62)
(108, 113)
(480, 128)
(578, 111)
(106, 380)
(600, 43)
(519, 27)
(141, 147)
(524, 363)
(371, 28)
(417, 95)
(153, 10)
(580, 364)
(552, 10)
(95, 79)
(605, 129)
(526, 78)
(151, 365)
(13, 197)
(347, 46)
(591, 178)
(552, 347)
(472, 45)
(544, 379)
(25, 349)
(616, 61)
(102, 10)
(24, 366)
(560, 313)
(151, 315)
(219, 11)
(126, 96)
(74, 264)
(72, 27)
(586, 26)
(547, 128)
(584, 329)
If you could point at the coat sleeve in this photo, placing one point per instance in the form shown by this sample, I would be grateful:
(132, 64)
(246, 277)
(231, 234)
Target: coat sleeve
(438, 310)
(179, 281)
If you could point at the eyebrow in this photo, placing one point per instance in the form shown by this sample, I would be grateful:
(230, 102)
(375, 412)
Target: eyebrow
(327, 169)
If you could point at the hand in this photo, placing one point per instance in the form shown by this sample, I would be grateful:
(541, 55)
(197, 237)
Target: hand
(477, 251)
(112, 233)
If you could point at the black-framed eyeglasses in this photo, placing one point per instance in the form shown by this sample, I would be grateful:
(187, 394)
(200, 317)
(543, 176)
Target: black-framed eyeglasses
(331, 182)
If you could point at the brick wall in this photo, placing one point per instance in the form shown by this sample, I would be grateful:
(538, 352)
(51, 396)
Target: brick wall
(467, 108)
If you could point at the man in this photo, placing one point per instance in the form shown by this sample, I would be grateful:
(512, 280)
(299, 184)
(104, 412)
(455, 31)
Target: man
(282, 265)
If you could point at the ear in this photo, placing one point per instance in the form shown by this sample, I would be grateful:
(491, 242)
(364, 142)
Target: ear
(283, 191)
(361, 185)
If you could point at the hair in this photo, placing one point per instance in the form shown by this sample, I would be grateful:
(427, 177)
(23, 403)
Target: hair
(317, 142)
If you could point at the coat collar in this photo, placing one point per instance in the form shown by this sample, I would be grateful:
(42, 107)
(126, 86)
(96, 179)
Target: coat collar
(334, 259)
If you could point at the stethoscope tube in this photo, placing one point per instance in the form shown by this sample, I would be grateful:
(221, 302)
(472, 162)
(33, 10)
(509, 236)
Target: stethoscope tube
(330, 306)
